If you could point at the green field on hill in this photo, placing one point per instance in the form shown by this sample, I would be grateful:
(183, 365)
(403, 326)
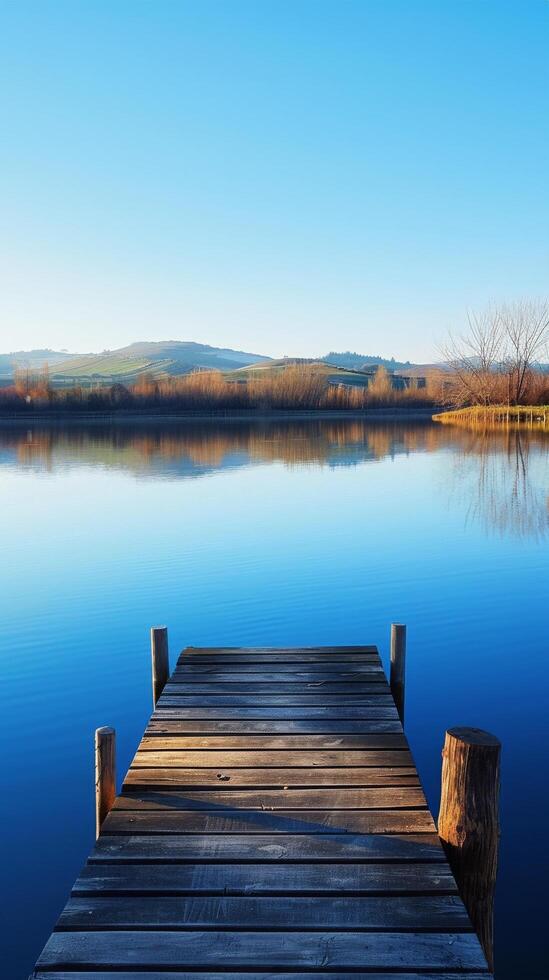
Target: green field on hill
(331, 373)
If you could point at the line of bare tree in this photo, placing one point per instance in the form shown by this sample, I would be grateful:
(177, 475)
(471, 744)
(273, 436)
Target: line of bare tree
(498, 360)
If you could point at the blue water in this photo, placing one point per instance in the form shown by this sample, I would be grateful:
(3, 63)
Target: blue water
(284, 534)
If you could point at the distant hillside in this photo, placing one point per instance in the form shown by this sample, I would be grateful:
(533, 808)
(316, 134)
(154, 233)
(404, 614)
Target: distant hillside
(177, 357)
(332, 373)
(174, 357)
(32, 359)
(354, 361)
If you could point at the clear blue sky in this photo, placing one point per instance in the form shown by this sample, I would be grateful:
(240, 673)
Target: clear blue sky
(285, 177)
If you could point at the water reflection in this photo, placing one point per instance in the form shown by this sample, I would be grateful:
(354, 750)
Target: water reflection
(494, 470)
(491, 470)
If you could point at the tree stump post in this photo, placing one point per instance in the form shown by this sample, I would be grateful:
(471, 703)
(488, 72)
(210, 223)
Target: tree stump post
(398, 666)
(105, 774)
(160, 660)
(468, 823)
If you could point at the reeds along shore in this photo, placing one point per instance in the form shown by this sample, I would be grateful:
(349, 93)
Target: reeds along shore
(486, 416)
(295, 388)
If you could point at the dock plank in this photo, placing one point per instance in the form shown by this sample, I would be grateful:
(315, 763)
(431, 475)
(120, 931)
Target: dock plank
(247, 950)
(331, 798)
(156, 740)
(254, 975)
(277, 758)
(267, 847)
(173, 708)
(239, 821)
(287, 726)
(261, 778)
(264, 879)
(393, 913)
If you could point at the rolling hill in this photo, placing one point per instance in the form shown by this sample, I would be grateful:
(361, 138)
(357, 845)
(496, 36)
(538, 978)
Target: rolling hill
(332, 373)
(174, 357)
(177, 357)
(353, 361)
(32, 359)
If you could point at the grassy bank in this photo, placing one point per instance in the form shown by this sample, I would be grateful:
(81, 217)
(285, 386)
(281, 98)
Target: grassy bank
(497, 416)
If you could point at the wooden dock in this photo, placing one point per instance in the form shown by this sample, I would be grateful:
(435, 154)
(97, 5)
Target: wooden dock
(272, 825)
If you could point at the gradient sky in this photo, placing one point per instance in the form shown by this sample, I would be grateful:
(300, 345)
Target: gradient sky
(284, 177)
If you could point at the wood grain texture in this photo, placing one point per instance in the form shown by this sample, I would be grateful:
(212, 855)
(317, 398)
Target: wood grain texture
(173, 709)
(166, 799)
(157, 740)
(279, 758)
(239, 821)
(469, 822)
(183, 688)
(283, 673)
(180, 695)
(244, 950)
(395, 913)
(264, 879)
(267, 847)
(288, 726)
(250, 975)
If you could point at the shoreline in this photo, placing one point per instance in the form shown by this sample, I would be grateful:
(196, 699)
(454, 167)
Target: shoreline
(244, 415)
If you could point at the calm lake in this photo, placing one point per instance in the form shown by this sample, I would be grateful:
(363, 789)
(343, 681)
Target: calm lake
(281, 533)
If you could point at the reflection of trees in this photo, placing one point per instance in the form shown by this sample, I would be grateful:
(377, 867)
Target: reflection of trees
(159, 447)
(495, 468)
(493, 471)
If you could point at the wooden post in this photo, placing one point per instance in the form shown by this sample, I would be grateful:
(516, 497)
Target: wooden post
(105, 774)
(160, 662)
(468, 823)
(398, 666)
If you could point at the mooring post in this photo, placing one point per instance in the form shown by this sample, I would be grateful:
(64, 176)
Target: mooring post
(160, 661)
(398, 666)
(468, 823)
(105, 774)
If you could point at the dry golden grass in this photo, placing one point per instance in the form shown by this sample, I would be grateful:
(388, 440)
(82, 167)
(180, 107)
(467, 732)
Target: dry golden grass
(296, 388)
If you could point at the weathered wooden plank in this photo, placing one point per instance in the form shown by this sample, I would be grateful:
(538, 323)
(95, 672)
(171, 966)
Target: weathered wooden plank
(158, 740)
(279, 657)
(397, 820)
(266, 779)
(174, 709)
(288, 726)
(333, 798)
(289, 663)
(273, 670)
(253, 950)
(268, 847)
(274, 757)
(264, 879)
(183, 687)
(327, 649)
(184, 698)
(413, 913)
(281, 673)
(253, 975)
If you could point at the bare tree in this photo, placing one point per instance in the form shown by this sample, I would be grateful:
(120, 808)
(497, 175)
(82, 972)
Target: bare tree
(526, 336)
(476, 360)
(496, 360)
